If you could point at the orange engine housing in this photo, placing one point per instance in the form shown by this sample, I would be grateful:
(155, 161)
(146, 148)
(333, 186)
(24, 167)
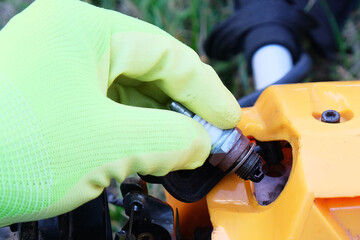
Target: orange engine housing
(321, 198)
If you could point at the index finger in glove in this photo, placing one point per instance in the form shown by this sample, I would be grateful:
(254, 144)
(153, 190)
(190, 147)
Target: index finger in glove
(146, 53)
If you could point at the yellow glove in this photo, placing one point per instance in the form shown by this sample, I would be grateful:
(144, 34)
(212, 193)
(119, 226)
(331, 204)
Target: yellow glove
(62, 139)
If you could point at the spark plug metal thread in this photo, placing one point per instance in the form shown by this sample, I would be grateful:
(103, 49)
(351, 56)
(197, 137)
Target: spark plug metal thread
(231, 151)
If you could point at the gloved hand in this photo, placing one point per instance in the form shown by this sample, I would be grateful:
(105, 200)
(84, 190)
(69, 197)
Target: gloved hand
(62, 139)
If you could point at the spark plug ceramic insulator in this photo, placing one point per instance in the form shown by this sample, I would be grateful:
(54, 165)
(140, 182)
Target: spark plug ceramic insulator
(231, 151)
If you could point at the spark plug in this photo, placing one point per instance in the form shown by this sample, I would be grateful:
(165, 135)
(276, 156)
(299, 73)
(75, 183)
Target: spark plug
(231, 151)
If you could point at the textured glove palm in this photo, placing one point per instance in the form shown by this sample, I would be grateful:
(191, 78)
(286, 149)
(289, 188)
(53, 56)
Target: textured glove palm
(62, 139)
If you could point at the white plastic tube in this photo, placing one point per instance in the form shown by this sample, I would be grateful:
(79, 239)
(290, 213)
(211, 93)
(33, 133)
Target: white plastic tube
(269, 64)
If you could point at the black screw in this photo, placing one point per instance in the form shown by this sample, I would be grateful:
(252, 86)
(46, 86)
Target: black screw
(330, 116)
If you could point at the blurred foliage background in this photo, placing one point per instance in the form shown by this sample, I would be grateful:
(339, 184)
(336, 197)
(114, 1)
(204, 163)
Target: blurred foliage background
(190, 21)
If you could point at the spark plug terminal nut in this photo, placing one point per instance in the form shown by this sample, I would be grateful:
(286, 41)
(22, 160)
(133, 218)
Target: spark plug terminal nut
(231, 151)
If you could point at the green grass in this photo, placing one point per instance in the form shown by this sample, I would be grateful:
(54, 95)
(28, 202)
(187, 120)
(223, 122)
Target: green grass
(190, 21)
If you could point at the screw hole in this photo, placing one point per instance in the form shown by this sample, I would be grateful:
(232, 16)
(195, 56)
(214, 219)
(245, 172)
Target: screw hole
(145, 236)
(330, 114)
